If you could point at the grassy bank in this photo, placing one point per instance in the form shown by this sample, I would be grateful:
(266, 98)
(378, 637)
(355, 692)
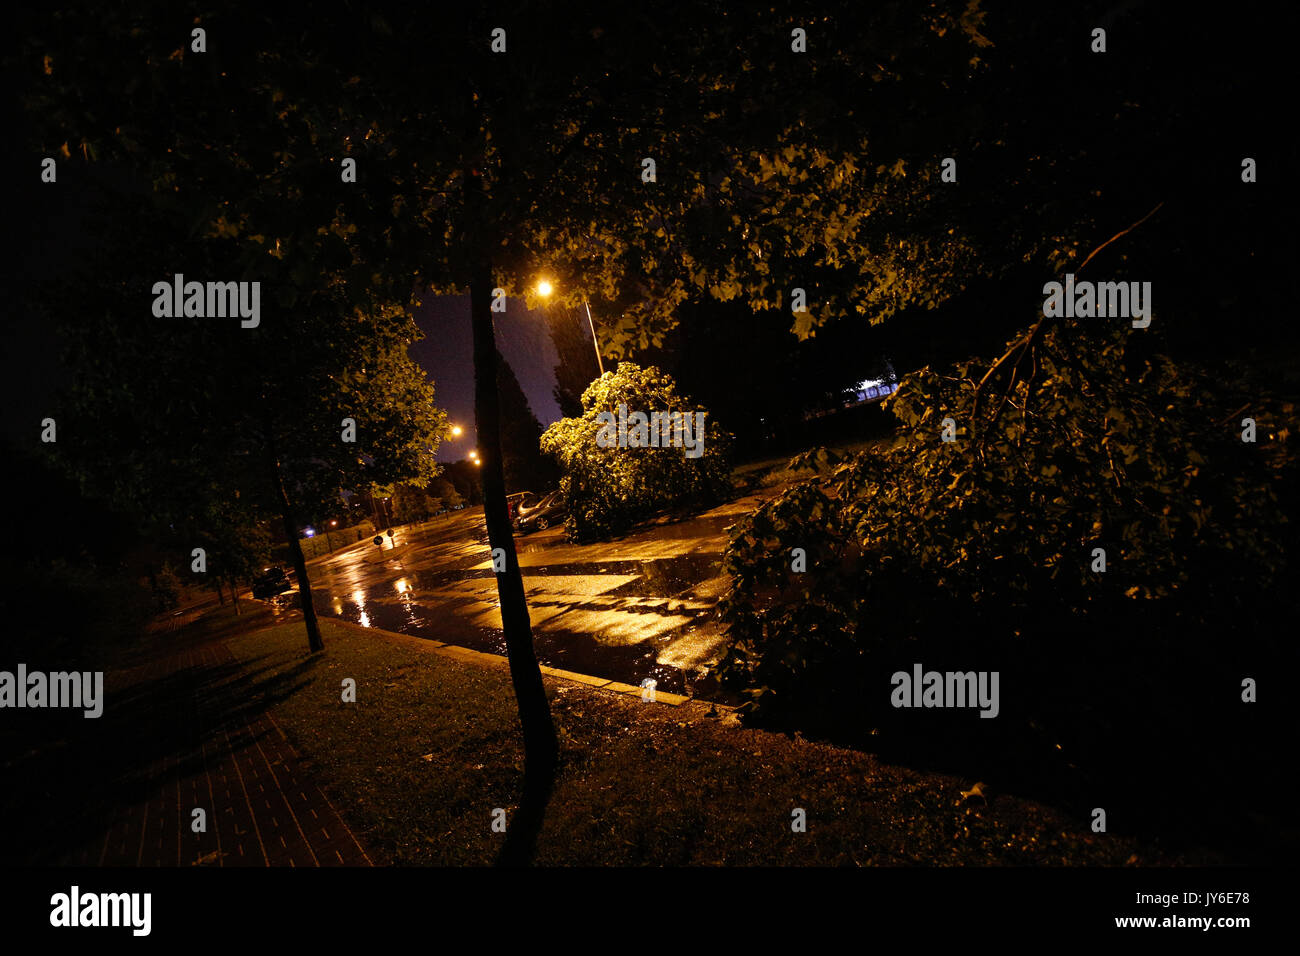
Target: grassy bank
(431, 747)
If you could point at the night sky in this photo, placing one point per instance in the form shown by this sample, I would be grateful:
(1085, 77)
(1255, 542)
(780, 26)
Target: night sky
(446, 353)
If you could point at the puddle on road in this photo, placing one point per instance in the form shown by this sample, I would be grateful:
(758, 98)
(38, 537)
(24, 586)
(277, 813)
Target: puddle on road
(667, 577)
(437, 584)
(630, 663)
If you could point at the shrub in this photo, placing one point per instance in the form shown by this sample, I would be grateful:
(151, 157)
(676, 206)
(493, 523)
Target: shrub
(608, 489)
(979, 554)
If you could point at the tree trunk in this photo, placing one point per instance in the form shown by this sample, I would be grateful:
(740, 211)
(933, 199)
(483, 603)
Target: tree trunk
(221, 593)
(540, 746)
(314, 642)
(234, 594)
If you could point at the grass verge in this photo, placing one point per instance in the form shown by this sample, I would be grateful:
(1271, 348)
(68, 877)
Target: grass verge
(431, 747)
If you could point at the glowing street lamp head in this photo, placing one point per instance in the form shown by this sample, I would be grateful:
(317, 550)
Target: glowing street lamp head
(544, 288)
(456, 431)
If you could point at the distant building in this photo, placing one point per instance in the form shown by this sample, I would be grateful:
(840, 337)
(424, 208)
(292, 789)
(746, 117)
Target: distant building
(870, 390)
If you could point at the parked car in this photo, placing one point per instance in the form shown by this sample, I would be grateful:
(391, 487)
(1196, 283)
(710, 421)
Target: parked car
(270, 582)
(520, 499)
(542, 515)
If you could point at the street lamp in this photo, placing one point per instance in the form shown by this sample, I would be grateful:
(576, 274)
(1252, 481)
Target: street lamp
(456, 431)
(544, 289)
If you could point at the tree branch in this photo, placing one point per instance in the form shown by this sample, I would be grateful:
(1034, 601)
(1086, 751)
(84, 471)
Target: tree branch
(1031, 338)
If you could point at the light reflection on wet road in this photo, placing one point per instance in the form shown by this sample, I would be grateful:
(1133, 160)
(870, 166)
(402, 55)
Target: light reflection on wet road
(642, 606)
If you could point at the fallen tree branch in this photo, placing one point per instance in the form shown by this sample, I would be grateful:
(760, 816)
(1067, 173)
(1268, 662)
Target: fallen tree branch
(1027, 341)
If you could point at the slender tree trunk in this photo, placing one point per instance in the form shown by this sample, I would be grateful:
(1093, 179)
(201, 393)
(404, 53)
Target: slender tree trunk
(221, 593)
(314, 642)
(234, 594)
(540, 746)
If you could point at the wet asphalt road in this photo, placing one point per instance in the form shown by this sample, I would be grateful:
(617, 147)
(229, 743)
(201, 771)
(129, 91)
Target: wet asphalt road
(637, 607)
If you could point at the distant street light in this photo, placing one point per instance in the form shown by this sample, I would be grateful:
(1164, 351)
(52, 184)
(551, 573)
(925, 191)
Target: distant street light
(456, 431)
(544, 289)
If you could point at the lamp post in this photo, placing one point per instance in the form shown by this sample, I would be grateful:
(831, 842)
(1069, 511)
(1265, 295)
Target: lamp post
(544, 289)
(599, 361)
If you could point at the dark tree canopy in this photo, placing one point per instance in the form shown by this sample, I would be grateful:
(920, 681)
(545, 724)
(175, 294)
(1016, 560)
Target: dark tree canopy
(521, 456)
(571, 335)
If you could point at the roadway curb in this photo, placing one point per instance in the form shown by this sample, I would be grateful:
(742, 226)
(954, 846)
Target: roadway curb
(469, 656)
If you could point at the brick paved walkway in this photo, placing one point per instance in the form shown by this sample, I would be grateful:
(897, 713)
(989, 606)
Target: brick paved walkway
(216, 752)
